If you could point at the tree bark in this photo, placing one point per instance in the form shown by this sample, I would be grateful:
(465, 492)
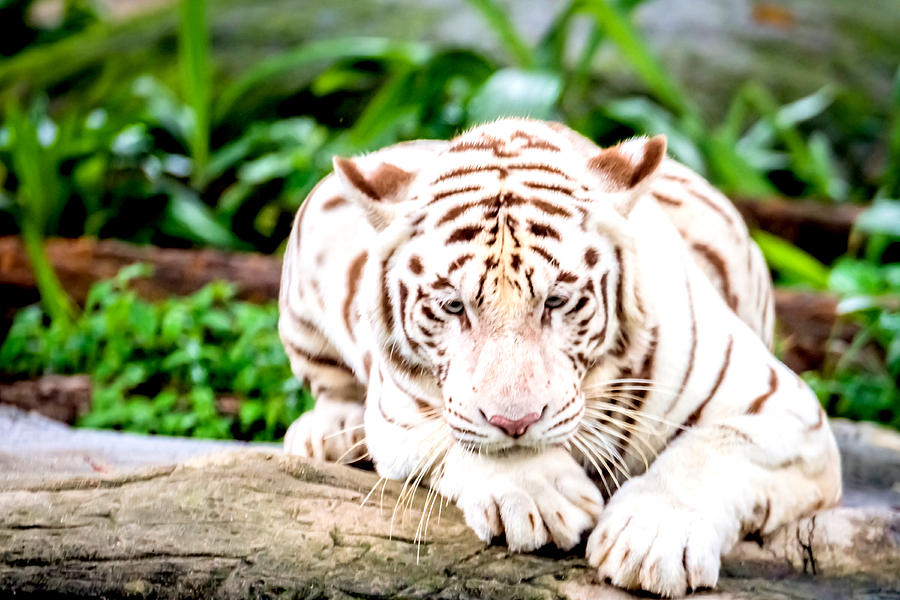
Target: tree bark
(255, 524)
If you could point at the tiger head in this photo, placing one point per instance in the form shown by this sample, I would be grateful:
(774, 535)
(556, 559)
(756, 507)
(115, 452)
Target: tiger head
(503, 273)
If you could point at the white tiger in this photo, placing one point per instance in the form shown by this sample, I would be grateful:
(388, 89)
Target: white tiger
(517, 311)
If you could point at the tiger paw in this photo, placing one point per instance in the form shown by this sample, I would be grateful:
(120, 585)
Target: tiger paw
(332, 431)
(643, 542)
(534, 500)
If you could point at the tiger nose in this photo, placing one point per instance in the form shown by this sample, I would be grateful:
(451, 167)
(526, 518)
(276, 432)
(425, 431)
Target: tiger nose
(517, 428)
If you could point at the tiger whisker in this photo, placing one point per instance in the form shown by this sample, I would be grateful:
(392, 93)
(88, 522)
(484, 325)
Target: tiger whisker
(343, 431)
(601, 429)
(576, 441)
(600, 444)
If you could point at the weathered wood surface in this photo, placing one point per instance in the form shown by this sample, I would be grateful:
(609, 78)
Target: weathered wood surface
(254, 524)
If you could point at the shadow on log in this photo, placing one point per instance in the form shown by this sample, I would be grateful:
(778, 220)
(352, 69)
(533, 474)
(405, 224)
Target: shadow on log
(255, 524)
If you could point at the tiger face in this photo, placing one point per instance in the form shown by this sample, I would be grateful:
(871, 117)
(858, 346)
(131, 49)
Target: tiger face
(499, 280)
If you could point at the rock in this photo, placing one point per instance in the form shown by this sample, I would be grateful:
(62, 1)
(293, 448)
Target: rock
(250, 522)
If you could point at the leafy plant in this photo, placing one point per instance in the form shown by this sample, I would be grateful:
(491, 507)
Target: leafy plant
(168, 367)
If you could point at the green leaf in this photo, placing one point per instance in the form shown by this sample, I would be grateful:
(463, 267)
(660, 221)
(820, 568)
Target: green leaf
(882, 217)
(322, 50)
(617, 26)
(791, 262)
(514, 92)
(196, 77)
(187, 217)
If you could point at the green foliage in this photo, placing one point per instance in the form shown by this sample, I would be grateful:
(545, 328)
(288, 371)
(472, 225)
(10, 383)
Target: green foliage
(196, 156)
(862, 381)
(161, 367)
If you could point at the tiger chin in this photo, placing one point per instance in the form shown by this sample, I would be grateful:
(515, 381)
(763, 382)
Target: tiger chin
(562, 339)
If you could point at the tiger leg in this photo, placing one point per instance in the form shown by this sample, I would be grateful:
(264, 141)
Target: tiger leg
(722, 479)
(333, 429)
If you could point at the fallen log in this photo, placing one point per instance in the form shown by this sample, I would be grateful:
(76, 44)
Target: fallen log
(59, 397)
(254, 524)
(81, 262)
(78, 520)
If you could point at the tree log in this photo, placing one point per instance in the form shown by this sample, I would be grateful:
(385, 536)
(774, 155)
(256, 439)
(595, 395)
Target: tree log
(252, 523)
(81, 262)
(60, 397)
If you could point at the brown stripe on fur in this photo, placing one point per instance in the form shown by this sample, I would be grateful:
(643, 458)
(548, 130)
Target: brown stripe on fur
(353, 276)
(757, 405)
(578, 305)
(550, 187)
(695, 416)
(538, 167)
(600, 337)
(318, 360)
(591, 256)
(549, 208)
(457, 210)
(546, 256)
(542, 230)
(502, 171)
(666, 199)
(464, 234)
(387, 310)
(459, 262)
(446, 193)
(718, 263)
(714, 205)
(465, 431)
(567, 277)
(333, 203)
(534, 142)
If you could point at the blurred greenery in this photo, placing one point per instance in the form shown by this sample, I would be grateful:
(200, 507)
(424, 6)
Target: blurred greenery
(189, 157)
(164, 367)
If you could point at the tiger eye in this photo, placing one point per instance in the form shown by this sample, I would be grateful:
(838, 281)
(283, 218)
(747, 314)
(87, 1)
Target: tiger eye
(555, 302)
(454, 307)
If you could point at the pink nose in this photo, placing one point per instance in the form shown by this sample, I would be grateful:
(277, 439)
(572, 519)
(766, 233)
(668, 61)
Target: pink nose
(515, 428)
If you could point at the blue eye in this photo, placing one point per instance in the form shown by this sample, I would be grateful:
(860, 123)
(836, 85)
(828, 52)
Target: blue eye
(555, 301)
(454, 307)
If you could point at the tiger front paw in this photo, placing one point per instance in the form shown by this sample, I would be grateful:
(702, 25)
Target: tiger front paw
(644, 542)
(534, 500)
(332, 431)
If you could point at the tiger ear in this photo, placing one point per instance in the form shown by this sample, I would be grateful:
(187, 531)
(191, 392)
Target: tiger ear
(626, 168)
(378, 191)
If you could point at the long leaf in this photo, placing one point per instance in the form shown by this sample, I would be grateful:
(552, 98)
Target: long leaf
(617, 26)
(323, 50)
(499, 21)
(196, 77)
(791, 261)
